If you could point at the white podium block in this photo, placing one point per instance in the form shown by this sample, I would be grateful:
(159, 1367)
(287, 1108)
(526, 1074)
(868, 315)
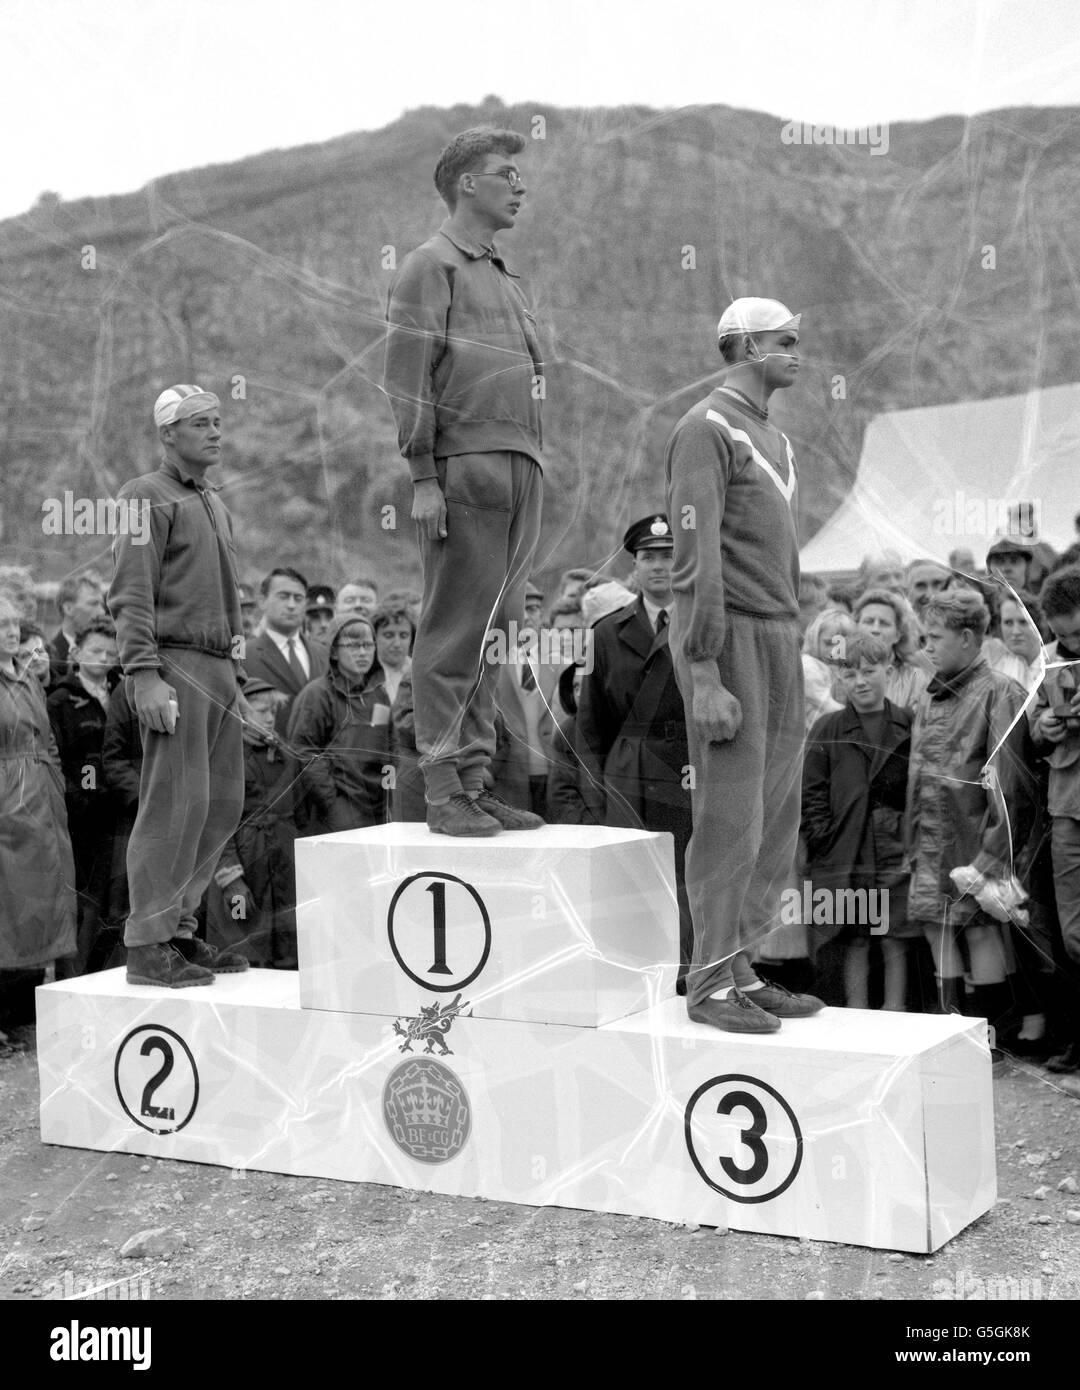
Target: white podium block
(872, 1129)
(569, 924)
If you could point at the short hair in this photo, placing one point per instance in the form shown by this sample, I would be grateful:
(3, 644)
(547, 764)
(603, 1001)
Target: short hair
(28, 630)
(69, 588)
(812, 641)
(913, 565)
(1031, 606)
(96, 627)
(863, 646)
(578, 575)
(907, 624)
(18, 581)
(400, 598)
(465, 149)
(885, 559)
(286, 572)
(388, 613)
(812, 584)
(1060, 593)
(1067, 559)
(842, 596)
(364, 582)
(958, 609)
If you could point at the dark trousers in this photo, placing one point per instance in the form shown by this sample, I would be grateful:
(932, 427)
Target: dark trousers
(746, 798)
(191, 796)
(474, 581)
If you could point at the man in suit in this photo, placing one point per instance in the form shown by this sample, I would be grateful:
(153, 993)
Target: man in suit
(630, 714)
(78, 601)
(281, 654)
(523, 694)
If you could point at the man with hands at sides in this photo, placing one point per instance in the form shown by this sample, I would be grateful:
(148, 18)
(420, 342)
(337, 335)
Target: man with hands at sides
(734, 637)
(175, 600)
(465, 380)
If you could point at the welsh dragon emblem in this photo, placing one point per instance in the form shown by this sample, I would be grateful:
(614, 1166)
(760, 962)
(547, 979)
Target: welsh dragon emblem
(430, 1026)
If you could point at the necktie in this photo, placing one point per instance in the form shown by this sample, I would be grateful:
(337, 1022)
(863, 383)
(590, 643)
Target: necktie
(294, 663)
(661, 620)
(528, 680)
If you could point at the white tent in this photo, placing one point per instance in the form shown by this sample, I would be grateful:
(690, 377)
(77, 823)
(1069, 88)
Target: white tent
(945, 477)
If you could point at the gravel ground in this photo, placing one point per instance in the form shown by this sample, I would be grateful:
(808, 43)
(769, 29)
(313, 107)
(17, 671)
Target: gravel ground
(66, 1215)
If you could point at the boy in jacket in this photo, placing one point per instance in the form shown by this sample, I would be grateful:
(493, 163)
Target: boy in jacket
(1055, 726)
(251, 904)
(854, 788)
(78, 706)
(970, 802)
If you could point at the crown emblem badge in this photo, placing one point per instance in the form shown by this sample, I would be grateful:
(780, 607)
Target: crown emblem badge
(659, 527)
(427, 1110)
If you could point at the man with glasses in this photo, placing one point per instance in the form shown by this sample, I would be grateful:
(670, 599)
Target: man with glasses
(465, 380)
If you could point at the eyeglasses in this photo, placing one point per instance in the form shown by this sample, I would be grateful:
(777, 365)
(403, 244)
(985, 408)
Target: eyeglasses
(512, 177)
(357, 646)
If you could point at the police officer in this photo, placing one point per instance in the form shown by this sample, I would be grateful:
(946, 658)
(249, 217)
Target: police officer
(319, 613)
(630, 714)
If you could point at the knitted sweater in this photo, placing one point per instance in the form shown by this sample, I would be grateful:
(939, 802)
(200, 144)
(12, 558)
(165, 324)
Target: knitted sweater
(731, 497)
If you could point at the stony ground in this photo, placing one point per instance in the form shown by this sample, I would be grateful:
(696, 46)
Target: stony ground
(66, 1216)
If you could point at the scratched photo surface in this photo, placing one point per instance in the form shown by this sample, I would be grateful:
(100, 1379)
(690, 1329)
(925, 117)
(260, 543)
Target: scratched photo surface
(863, 512)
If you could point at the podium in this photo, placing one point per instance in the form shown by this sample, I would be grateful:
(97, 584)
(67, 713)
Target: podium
(514, 1034)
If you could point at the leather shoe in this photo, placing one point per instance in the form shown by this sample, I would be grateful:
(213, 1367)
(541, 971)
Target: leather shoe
(735, 1014)
(460, 816)
(158, 964)
(509, 817)
(1069, 1060)
(777, 1000)
(198, 952)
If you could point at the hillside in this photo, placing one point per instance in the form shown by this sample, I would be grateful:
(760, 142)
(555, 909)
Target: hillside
(271, 270)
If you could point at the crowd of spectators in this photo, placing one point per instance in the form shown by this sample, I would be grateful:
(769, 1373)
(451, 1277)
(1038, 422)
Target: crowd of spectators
(917, 677)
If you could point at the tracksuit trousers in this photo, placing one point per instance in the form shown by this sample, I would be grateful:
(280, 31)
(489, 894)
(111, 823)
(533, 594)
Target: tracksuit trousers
(746, 797)
(191, 798)
(474, 581)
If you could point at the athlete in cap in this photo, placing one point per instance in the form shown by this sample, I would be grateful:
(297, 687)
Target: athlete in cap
(735, 644)
(176, 603)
